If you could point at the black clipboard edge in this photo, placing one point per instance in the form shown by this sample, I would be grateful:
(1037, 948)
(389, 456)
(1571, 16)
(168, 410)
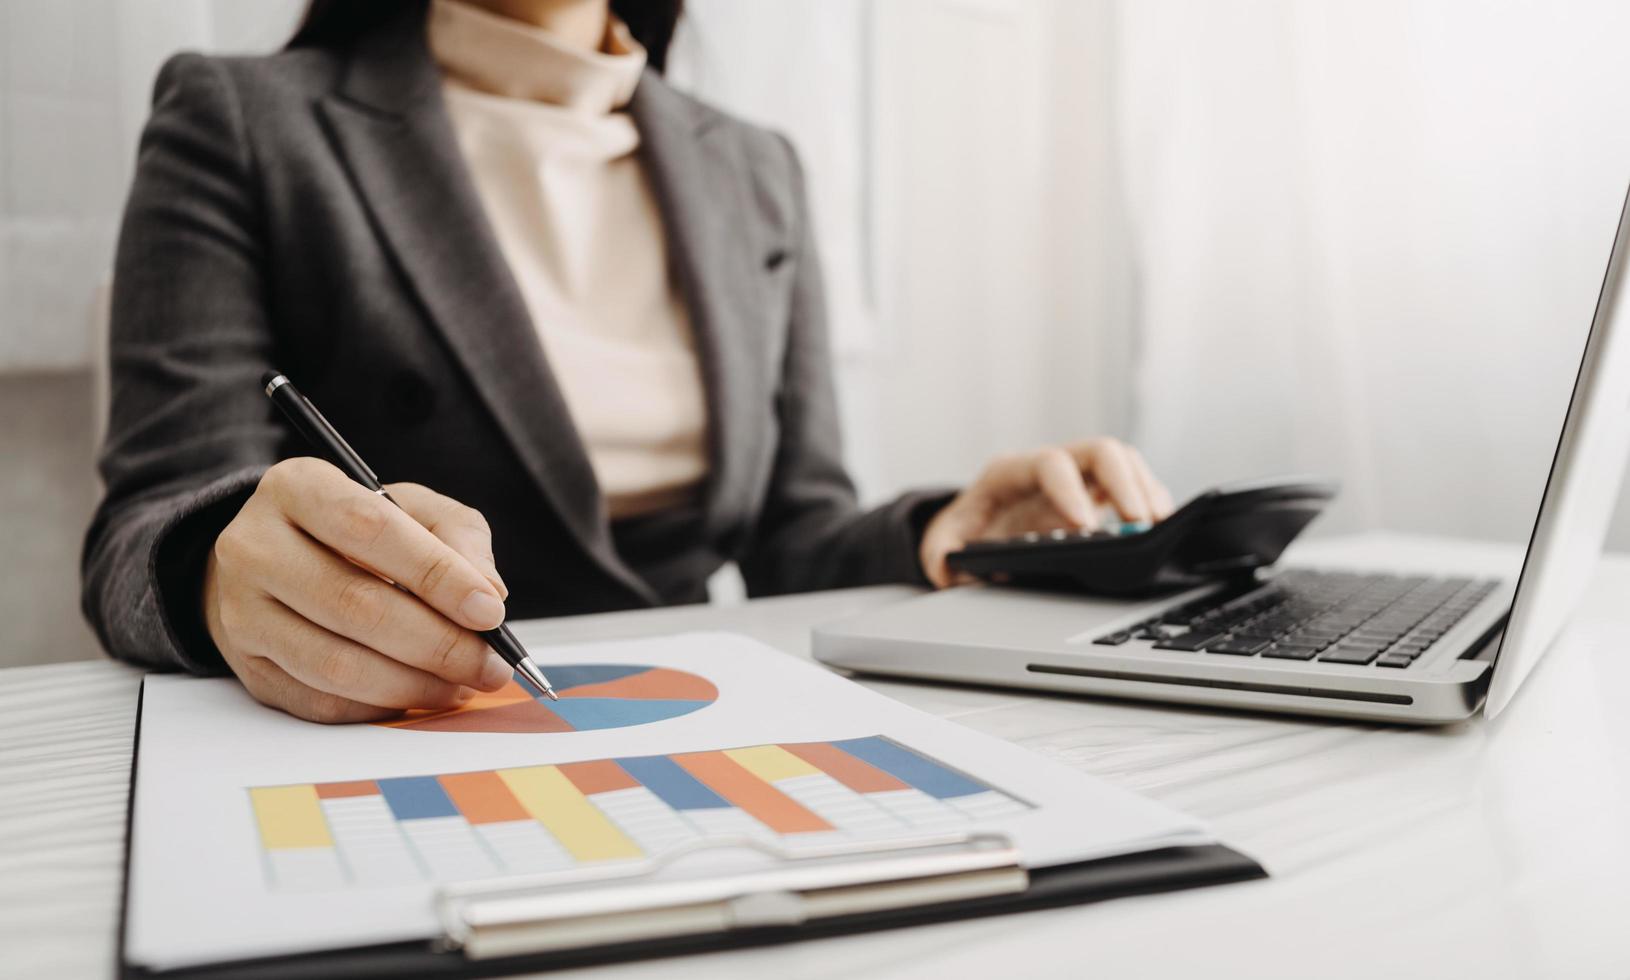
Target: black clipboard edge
(1143, 873)
(121, 967)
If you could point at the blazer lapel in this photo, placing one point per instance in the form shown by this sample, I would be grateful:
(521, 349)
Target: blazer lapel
(701, 185)
(391, 127)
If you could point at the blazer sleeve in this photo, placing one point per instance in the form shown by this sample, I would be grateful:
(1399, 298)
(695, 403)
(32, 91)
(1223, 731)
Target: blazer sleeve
(189, 434)
(811, 532)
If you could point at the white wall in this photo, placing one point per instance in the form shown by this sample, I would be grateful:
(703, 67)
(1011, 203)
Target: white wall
(60, 177)
(1368, 238)
(75, 81)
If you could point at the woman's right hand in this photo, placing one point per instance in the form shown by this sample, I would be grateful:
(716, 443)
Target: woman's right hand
(291, 602)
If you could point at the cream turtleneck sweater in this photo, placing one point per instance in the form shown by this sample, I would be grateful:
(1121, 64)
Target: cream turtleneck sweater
(541, 126)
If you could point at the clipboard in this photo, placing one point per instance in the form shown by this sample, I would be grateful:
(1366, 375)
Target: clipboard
(561, 920)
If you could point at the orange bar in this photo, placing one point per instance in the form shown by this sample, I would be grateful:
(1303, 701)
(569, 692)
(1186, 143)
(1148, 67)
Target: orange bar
(482, 797)
(600, 776)
(857, 774)
(334, 791)
(773, 808)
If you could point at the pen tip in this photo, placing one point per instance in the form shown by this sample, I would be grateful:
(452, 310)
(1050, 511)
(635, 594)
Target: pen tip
(530, 671)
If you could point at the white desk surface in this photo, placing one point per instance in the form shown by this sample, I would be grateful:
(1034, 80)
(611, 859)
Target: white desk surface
(1487, 849)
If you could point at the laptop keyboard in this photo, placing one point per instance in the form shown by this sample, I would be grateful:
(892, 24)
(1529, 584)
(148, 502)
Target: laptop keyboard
(1334, 617)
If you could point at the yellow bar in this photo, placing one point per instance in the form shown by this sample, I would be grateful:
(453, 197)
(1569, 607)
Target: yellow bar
(578, 824)
(771, 762)
(290, 816)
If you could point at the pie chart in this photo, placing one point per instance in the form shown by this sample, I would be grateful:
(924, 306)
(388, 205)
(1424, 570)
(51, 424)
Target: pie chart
(592, 697)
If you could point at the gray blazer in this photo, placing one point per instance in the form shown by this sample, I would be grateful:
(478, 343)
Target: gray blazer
(310, 210)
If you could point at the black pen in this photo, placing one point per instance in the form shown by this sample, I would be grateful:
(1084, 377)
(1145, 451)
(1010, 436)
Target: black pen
(309, 422)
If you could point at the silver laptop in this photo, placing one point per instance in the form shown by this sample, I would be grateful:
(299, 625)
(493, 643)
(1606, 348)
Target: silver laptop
(1402, 644)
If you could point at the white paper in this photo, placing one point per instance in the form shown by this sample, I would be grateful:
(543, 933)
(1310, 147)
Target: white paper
(206, 888)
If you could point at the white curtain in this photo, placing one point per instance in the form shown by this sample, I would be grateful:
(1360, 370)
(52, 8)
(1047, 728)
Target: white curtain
(75, 80)
(922, 128)
(799, 66)
(1368, 236)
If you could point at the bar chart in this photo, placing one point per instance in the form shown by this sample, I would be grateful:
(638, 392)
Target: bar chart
(467, 825)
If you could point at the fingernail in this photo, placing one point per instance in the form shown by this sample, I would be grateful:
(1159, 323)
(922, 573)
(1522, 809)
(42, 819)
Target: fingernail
(495, 673)
(482, 610)
(464, 694)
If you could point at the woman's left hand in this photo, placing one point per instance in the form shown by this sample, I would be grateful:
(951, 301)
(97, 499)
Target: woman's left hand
(1058, 486)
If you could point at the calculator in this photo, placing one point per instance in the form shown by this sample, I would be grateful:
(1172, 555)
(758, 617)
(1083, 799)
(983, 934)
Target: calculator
(1227, 531)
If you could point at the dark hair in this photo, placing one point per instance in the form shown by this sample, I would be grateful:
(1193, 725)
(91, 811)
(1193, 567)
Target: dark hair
(335, 22)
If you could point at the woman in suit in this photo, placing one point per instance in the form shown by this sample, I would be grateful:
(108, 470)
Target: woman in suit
(580, 310)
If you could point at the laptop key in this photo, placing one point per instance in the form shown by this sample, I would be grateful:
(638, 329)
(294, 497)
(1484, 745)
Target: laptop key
(1315, 636)
(1291, 651)
(1376, 636)
(1159, 632)
(1238, 647)
(1255, 635)
(1113, 639)
(1189, 643)
(1395, 660)
(1345, 654)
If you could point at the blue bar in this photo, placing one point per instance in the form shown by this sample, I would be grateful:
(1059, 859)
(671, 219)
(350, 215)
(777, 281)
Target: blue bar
(673, 785)
(909, 767)
(417, 798)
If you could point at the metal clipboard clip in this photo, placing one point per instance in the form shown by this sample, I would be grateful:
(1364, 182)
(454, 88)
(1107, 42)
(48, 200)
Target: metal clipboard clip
(633, 901)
